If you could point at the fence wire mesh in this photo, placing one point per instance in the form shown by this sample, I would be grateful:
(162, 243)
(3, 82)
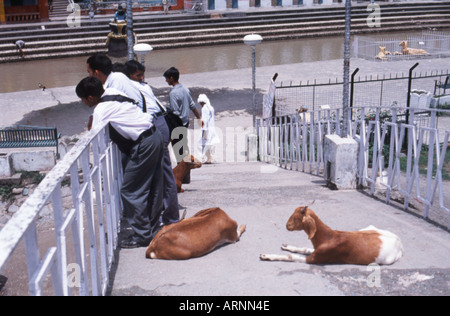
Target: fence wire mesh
(430, 44)
(386, 90)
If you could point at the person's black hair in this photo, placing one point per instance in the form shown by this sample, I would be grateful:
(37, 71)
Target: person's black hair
(172, 72)
(132, 66)
(89, 86)
(100, 62)
(119, 67)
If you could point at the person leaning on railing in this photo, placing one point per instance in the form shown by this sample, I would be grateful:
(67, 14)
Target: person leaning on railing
(137, 136)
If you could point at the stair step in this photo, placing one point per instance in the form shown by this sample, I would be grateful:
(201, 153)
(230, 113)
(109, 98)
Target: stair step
(57, 39)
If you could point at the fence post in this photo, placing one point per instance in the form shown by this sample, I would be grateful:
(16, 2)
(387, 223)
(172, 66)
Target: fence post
(274, 105)
(408, 97)
(352, 87)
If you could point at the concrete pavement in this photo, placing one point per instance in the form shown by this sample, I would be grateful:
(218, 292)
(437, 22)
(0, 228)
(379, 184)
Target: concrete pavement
(263, 197)
(34, 106)
(263, 201)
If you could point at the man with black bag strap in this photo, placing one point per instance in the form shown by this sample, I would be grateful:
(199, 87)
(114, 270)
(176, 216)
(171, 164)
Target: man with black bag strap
(100, 66)
(135, 71)
(137, 136)
(181, 103)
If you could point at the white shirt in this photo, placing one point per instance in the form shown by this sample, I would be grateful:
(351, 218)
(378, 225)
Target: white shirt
(125, 117)
(150, 98)
(119, 81)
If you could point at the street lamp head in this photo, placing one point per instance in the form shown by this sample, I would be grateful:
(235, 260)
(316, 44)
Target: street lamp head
(252, 39)
(142, 49)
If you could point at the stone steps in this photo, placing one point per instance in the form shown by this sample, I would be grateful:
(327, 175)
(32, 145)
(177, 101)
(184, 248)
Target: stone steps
(58, 40)
(59, 9)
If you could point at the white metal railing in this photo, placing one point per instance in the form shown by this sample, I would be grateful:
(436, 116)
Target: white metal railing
(393, 143)
(92, 216)
(296, 141)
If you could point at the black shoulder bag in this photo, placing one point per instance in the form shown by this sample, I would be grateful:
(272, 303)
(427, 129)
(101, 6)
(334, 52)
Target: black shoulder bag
(173, 121)
(124, 144)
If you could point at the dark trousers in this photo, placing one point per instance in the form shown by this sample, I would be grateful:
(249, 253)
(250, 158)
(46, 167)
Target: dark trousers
(171, 212)
(142, 188)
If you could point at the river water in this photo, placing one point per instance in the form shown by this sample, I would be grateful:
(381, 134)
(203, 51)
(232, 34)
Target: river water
(26, 75)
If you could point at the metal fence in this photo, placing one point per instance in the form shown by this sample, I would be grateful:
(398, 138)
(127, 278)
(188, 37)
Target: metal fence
(113, 4)
(380, 90)
(413, 175)
(432, 44)
(85, 228)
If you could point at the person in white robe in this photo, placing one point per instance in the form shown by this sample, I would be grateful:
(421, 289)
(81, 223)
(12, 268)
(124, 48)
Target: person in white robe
(209, 139)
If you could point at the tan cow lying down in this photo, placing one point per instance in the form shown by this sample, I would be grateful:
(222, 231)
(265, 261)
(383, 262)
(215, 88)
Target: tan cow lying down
(369, 245)
(383, 53)
(195, 236)
(412, 51)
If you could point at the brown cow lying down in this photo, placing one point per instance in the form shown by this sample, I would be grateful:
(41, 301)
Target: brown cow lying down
(180, 171)
(195, 236)
(369, 245)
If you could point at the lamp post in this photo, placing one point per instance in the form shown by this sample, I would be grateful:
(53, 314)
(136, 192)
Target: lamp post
(345, 107)
(253, 40)
(130, 37)
(141, 50)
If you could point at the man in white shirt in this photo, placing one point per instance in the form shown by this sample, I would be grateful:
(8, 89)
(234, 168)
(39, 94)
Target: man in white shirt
(100, 66)
(135, 71)
(141, 191)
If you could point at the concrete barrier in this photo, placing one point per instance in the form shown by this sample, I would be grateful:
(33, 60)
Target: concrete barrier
(33, 160)
(252, 147)
(341, 162)
(5, 165)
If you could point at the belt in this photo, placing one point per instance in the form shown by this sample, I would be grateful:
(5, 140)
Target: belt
(147, 133)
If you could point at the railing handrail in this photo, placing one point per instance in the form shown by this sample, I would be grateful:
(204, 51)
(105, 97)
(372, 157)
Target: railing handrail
(295, 141)
(101, 176)
(374, 108)
(16, 227)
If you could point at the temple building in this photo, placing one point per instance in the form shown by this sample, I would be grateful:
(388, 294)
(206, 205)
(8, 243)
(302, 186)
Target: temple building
(23, 10)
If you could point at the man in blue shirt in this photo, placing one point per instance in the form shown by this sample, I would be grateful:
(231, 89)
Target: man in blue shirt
(180, 103)
(180, 97)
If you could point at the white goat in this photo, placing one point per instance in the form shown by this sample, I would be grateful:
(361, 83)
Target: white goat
(369, 245)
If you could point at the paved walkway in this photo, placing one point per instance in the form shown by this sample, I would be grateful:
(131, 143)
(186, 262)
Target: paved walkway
(263, 201)
(263, 197)
(54, 106)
